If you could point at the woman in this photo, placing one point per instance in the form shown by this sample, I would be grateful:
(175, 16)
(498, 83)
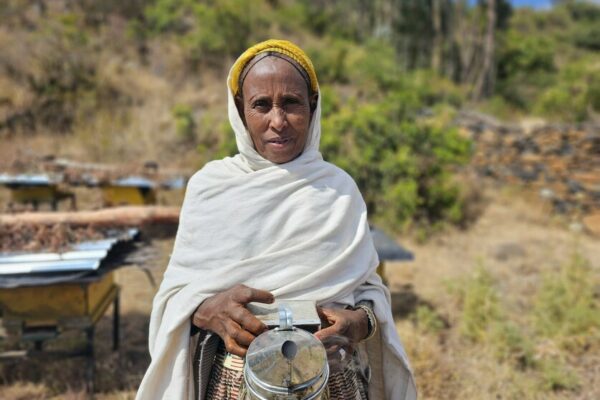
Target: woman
(275, 221)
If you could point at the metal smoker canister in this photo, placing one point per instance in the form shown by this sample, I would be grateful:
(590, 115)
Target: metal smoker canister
(286, 363)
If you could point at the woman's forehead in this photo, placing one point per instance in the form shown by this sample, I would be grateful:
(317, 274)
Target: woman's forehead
(273, 71)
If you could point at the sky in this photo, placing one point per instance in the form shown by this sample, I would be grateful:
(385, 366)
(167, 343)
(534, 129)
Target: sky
(535, 3)
(531, 3)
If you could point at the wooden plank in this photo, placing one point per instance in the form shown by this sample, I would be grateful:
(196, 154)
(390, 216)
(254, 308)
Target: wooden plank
(112, 217)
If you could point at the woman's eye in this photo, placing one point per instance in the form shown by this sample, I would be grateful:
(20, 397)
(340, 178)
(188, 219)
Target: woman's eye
(260, 104)
(292, 100)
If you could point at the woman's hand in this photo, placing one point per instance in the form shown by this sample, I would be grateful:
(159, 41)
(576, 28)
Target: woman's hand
(350, 324)
(226, 315)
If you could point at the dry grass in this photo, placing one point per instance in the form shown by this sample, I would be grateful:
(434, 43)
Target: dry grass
(483, 285)
(124, 114)
(513, 244)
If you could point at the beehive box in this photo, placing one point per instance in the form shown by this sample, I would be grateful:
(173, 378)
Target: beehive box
(65, 305)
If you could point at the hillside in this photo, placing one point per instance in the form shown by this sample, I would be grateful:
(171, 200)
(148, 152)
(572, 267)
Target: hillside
(472, 129)
(146, 80)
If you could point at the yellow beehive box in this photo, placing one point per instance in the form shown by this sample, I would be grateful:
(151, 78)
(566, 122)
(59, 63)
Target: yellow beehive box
(38, 194)
(63, 304)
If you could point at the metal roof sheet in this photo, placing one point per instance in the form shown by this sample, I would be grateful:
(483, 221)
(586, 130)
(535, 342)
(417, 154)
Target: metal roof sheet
(49, 266)
(84, 256)
(103, 244)
(27, 180)
(53, 257)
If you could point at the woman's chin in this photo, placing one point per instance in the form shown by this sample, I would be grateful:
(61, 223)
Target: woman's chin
(280, 154)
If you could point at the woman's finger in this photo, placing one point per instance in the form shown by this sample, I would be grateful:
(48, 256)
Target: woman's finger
(248, 321)
(247, 294)
(242, 337)
(233, 347)
(328, 316)
(321, 313)
(327, 332)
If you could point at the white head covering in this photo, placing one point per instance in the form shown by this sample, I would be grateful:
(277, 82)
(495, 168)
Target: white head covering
(248, 154)
(297, 229)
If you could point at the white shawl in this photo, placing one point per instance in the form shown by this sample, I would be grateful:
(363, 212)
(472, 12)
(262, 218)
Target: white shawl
(297, 229)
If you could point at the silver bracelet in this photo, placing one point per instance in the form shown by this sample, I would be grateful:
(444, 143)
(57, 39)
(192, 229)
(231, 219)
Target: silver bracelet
(372, 328)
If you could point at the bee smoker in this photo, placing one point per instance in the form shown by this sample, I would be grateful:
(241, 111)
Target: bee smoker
(286, 363)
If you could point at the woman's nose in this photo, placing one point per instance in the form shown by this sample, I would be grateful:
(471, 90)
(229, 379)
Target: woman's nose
(278, 118)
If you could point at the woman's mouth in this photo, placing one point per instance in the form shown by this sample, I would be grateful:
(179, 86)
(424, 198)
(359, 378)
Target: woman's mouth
(279, 142)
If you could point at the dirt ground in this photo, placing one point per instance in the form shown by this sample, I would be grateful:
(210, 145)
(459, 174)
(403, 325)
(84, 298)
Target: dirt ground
(514, 239)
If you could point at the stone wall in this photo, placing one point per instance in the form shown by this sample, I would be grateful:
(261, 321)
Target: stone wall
(561, 162)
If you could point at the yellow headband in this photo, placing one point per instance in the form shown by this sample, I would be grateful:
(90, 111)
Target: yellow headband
(284, 47)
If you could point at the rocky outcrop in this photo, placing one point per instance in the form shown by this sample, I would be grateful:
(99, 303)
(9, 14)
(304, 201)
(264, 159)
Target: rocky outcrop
(560, 161)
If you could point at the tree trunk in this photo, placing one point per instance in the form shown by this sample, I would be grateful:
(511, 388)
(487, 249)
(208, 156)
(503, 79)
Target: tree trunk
(464, 41)
(485, 81)
(436, 51)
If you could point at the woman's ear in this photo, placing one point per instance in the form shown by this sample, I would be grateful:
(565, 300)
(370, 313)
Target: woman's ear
(239, 104)
(313, 100)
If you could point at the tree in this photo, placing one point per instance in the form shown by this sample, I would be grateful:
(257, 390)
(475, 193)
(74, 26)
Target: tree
(485, 79)
(436, 18)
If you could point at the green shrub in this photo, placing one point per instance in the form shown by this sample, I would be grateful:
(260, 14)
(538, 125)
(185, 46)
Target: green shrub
(565, 307)
(575, 93)
(510, 344)
(428, 320)
(502, 107)
(522, 53)
(330, 58)
(556, 375)
(210, 31)
(185, 126)
(331, 18)
(547, 62)
(58, 69)
(375, 67)
(582, 11)
(227, 145)
(480, 306)
(525, 67)
(483, 320)
(216, 138)
(400, 162)
(587, 37)
(330, 101)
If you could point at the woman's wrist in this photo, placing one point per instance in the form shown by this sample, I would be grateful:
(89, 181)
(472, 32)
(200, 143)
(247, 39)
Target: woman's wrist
(199, 319)
(363, 317)
(370, 319)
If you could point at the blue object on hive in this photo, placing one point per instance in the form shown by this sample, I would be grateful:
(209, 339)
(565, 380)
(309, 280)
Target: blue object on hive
(387, 248)
(135, 181)
(177, 182)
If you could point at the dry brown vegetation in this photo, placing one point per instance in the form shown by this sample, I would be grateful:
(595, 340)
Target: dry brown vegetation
(115, 106)
(504, 308)
(470, 310)
(507, 309)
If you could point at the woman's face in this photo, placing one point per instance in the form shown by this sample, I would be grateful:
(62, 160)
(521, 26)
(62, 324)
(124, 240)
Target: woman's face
(276, 109)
